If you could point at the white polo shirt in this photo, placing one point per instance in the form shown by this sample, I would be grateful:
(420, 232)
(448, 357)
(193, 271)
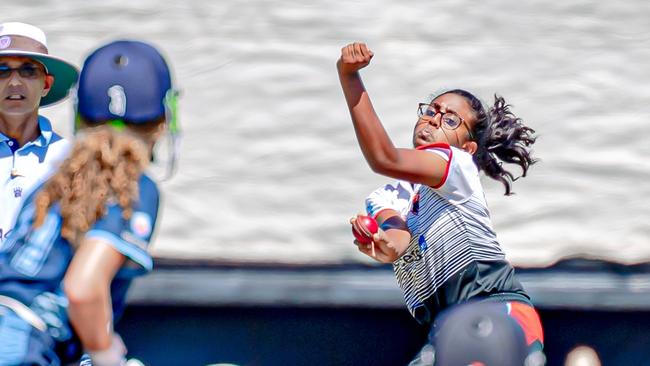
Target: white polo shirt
(24, 169)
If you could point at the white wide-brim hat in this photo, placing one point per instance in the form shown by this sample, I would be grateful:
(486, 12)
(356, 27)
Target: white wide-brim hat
(25, 40)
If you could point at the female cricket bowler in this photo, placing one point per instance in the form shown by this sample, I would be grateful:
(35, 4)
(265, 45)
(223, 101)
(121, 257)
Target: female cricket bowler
(434, 222)
(83, 236)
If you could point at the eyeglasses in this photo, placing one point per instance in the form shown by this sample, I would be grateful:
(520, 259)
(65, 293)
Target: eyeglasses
(449, 120)
(27, 71)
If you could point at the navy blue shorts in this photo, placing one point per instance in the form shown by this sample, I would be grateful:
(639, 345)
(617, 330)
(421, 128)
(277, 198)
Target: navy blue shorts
(23, 345)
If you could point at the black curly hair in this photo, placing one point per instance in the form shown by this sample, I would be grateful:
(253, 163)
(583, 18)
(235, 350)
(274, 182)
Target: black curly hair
(501, 137)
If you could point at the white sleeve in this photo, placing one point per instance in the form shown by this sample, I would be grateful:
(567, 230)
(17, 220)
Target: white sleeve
(396, 196)
(461, 180)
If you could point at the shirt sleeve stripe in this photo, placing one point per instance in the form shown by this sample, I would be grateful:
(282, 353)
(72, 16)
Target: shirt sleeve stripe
(133, 252)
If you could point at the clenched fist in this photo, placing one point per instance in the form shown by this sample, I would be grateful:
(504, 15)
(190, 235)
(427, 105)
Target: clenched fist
(354, 57)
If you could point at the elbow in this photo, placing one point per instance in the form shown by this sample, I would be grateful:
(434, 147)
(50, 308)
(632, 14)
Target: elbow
(79, 294)
(388, 170)
(382, 165)
(381, 170)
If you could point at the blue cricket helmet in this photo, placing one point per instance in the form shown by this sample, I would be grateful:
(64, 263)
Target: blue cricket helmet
(124, 80)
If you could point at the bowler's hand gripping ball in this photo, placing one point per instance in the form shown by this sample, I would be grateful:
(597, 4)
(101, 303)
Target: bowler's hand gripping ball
(367, 223)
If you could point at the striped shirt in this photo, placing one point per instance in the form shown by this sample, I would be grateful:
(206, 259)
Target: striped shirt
(450, 229)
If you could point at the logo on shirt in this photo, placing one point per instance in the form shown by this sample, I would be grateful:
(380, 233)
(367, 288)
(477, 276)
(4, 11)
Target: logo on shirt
(422, 243)
(141, 224)
(410, 257)
(18, 192)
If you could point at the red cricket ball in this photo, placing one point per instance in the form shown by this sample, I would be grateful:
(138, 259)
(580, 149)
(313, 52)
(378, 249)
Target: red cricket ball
(369, 224)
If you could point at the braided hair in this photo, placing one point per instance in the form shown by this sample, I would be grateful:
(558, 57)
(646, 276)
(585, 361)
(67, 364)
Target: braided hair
(501, 138)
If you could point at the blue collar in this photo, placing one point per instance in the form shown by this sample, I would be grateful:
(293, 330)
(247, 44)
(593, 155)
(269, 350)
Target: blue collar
(46, 132)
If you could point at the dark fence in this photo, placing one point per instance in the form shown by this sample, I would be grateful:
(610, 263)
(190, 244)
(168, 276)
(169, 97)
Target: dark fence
(202, 314)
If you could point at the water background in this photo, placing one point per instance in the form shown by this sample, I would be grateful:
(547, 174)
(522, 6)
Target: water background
(270, 168)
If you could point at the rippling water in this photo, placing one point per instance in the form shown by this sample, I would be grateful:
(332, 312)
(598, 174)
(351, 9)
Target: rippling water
(270, 168)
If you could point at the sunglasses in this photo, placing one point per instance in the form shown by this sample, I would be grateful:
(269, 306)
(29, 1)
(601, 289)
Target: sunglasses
(28, 71)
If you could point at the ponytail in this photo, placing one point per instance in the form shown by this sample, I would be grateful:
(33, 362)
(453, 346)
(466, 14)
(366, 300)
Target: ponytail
(502, 138)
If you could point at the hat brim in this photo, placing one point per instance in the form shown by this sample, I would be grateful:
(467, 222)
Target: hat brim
(65, 74)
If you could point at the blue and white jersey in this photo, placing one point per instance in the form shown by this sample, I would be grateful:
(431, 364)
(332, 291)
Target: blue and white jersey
(33, 262)
(450, 231)
(23, 169)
